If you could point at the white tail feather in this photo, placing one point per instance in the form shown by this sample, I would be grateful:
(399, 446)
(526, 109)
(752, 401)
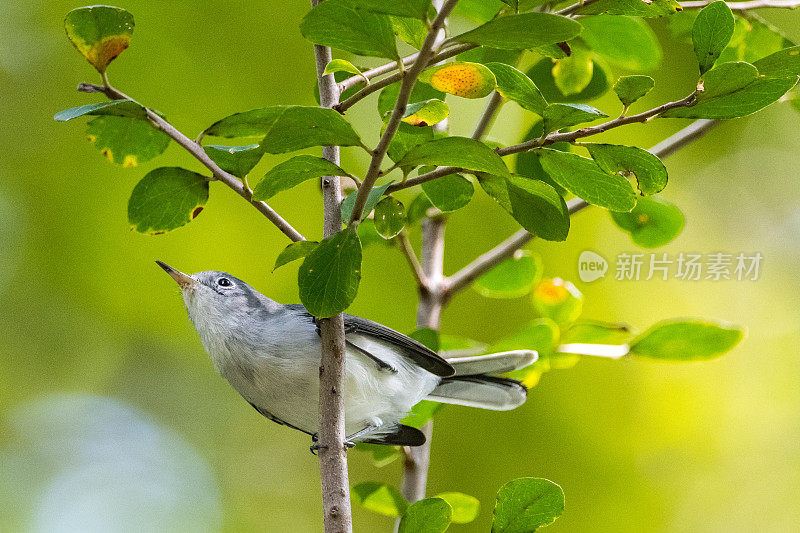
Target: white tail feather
(493, 363)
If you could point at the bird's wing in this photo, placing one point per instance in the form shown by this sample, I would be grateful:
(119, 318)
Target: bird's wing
(408, 347)
(400, 436)
(415, 351)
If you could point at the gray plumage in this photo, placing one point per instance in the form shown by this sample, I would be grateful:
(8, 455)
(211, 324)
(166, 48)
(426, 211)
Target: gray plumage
(270, 353)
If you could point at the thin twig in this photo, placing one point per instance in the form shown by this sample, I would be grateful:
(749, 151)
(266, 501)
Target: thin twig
(488, 116)
(467, 275)
(397, 76)
(372, 73)
(196, 151)
(407, 84)
(331, 434)
(548, 140)
(413, 261)
(483, 264)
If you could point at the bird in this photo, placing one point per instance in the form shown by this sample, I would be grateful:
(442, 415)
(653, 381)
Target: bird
(270, 353)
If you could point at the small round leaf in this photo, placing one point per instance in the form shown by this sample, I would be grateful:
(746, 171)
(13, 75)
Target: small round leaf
(525, 504)
(653, 222)
(460, 78)
(165, 199)
(512, 278)
(100, 33)
(431, 515)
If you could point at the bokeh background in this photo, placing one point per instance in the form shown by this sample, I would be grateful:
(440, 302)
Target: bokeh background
(113, 418)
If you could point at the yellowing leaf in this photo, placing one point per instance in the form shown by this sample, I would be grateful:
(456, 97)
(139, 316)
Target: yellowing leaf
(461, 78)
(426, 113)
(100, 33)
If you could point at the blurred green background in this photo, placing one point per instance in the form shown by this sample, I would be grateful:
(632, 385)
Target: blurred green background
(112, 416)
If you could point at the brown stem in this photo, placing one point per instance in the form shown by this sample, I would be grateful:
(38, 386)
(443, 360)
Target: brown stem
(331, 436)
(406, 86)
(467, 275)
(196, 151)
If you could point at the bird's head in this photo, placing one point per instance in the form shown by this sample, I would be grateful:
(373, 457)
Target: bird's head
(212, 295)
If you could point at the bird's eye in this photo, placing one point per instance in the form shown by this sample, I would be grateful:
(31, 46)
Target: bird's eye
(224, 282)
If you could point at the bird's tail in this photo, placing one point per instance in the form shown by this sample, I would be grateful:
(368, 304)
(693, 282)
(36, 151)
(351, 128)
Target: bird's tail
(474, 386)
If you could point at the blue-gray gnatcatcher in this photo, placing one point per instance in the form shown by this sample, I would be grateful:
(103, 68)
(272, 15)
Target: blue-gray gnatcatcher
(270, 353)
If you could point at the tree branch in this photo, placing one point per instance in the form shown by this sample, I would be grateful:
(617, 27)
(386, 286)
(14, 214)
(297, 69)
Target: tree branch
(483, 264)
(467, 275)
(413, 262)
(332, 447)
(488, 116)
(196, 151)
(389, 67)
(409, 78)
(551, 138)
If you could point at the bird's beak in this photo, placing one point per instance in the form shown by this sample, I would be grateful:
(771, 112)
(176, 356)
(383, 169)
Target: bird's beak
(180, 278)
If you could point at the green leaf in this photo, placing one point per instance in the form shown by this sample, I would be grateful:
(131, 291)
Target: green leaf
(400, 8)
(426, 113)
(573, 73)
(637, 8)
(528, 165)
(534, 204)
(753, 39)
(520, 32)
(456, 346)
(288, 128)
(526, 504)
(100, 33)
(749, 99)
(341, 24)
(423, 412)
(557, 116)
(382, 455)
(652, 223)
(486, 55)
(293, 172)
(429, 338)
(726, 78)
(410, 30)
(478, 10)
(596, 332)
(367, 233)
(406, 138)
(542, 335)
(119, 108)
(784, 63)
(631, 88)
(236, 160)
(558, 300)
(517, 87)
(431, 515)
(458, 152)
(390, 217)
(711, 33)
(542, 75)
(372, 198)
(586, 179)
(687, 340)
(165, 199)
(379, 498)
(538, 208)
(465, 507)
(296, 250)
(418, 209)
(450, 192)
(126, 141)
(460, 78)
(330, 274)
(649, 171)
(420, 93)
(623, 41)
(341, 65)
(512, 278)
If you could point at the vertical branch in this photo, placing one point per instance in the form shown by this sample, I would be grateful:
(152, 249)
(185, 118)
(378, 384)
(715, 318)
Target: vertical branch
(332, 449)
(429, 312)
